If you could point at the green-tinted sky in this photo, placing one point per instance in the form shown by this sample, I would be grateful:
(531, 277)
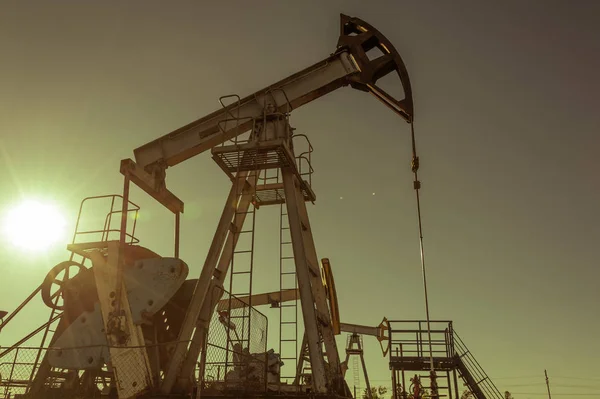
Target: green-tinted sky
(507, 122)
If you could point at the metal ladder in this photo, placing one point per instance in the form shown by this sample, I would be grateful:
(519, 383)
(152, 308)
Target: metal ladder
(288, 311)
(355, 374)
(241, 271)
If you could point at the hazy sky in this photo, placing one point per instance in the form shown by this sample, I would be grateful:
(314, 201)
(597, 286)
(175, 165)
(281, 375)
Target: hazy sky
(507, 123)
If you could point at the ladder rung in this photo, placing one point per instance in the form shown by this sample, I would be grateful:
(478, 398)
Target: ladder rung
(288, 340)
(285, 228)
(245, 272)
(289, 322)
(243, 213)
(246, 231)
(242, 252)
(286, 242)
(287, 257)
(288, 273)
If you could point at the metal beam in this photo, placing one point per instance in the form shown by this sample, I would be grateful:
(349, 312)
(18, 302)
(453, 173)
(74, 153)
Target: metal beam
(151, 185)
(319, 293)
(305, 282)
(359, 329)
(269, 298)
(219, 126)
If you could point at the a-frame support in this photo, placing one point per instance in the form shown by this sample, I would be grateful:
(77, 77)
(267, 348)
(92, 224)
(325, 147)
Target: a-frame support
(213, 275)
(355, 339)
(252, 159)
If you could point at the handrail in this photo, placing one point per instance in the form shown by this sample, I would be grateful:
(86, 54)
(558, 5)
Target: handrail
(472, 366)
(410, 343)
(132, 207)
(233, 117)
(306, 156)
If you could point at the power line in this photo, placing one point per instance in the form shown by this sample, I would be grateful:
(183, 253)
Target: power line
(519, 377)
(538, 376)
(579, 378)
(557, 394)
(575, 386)
(526, 385)
(547, 384)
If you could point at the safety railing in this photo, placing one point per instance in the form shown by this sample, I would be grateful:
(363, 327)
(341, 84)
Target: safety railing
(16, 368)
(86, 227)
(473, 373)
(235, 369)
(304, 159)
(21, 374)
(410, 342)
(410, 338)
(233, 116)
(232, 110)
(236, 357)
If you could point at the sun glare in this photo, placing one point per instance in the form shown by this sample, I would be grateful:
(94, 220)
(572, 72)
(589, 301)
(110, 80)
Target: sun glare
(35, 226)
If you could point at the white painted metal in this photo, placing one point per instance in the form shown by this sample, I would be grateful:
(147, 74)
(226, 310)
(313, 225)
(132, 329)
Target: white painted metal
(319, 293)
(203, 134)
(129, 360)
(305, 280)
(268, 298)
(83, 344)
(360, 329)
(149, 284)
(355, 339)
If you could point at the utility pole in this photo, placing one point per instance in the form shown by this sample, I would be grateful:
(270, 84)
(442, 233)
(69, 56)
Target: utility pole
(547, 384)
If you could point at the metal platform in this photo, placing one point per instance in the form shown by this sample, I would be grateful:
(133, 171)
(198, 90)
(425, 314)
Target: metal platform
(411, 352)
(263, 156)
(253, 156)
(272, 193)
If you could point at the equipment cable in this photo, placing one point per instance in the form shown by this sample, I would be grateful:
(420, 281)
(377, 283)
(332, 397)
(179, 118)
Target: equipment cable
(417, 185)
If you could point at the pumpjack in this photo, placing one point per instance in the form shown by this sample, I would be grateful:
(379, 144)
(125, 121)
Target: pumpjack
(131, 323)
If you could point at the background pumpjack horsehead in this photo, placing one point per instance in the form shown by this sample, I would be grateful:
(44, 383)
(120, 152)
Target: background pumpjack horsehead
(124, 316)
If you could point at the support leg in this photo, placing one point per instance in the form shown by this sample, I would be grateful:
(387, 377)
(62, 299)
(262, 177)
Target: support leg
(219, 255)
(307, 273)
(364, 367)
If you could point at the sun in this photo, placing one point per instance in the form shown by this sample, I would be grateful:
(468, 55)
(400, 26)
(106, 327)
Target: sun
(34, 225)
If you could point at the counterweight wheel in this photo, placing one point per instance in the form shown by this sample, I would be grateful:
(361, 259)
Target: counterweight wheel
(55, 280)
